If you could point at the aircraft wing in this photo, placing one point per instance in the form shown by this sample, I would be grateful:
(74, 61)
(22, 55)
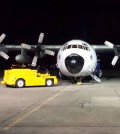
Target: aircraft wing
(39, 50)
(97, 48)
(16, 47)
(101, 48)
(53, 47)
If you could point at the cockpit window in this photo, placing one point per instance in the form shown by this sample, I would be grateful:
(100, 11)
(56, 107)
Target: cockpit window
(69, 46)
(86, 48)
(82, 46)
(65, 44)
(74, 46)
(64, 48)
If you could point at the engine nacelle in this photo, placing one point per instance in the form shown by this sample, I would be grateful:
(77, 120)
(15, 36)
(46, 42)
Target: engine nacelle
(23, 59)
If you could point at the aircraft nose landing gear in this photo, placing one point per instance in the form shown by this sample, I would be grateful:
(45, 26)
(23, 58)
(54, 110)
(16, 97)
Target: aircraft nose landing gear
(79, 82)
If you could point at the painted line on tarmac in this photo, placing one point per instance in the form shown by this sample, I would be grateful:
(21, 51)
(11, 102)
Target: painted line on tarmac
(30, 112)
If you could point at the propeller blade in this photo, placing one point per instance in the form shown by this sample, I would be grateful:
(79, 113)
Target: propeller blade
(4, 55)
(34, 62)
(95, 78)
(49, 52)
(114, 61)
(109, 44)
(41, 38)
(26, 46)
(2, 37)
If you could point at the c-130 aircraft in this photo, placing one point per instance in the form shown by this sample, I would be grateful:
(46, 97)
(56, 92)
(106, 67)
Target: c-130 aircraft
(75, 59)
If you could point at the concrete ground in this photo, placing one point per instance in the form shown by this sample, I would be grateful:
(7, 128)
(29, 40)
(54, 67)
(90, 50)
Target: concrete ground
(90, 108)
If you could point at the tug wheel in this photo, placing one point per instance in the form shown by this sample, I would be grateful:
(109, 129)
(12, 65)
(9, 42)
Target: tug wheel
(20, 83)
(49, 82)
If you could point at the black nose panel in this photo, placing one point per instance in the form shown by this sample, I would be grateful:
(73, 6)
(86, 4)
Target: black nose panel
(74, 63)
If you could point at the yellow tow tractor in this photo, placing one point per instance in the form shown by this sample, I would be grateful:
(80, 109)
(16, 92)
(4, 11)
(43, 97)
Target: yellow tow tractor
(27, 77)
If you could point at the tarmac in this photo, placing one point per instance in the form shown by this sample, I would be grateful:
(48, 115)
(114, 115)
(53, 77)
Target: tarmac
(89, 108)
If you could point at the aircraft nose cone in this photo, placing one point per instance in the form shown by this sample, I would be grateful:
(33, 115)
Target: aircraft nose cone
(74, 63)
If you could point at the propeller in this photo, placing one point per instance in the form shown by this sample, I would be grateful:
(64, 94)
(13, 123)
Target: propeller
(40, 50)
(109, 44)
(3, 49)
(116, 51)
(91, 72)
(95, 78)
(2, 37)
(34, 60)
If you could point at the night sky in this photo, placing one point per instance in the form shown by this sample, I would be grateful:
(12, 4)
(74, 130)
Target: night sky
(61, 20)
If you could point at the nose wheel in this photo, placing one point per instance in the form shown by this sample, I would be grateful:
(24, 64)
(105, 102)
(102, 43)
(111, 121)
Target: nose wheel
(79, 81)
(75, 80)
